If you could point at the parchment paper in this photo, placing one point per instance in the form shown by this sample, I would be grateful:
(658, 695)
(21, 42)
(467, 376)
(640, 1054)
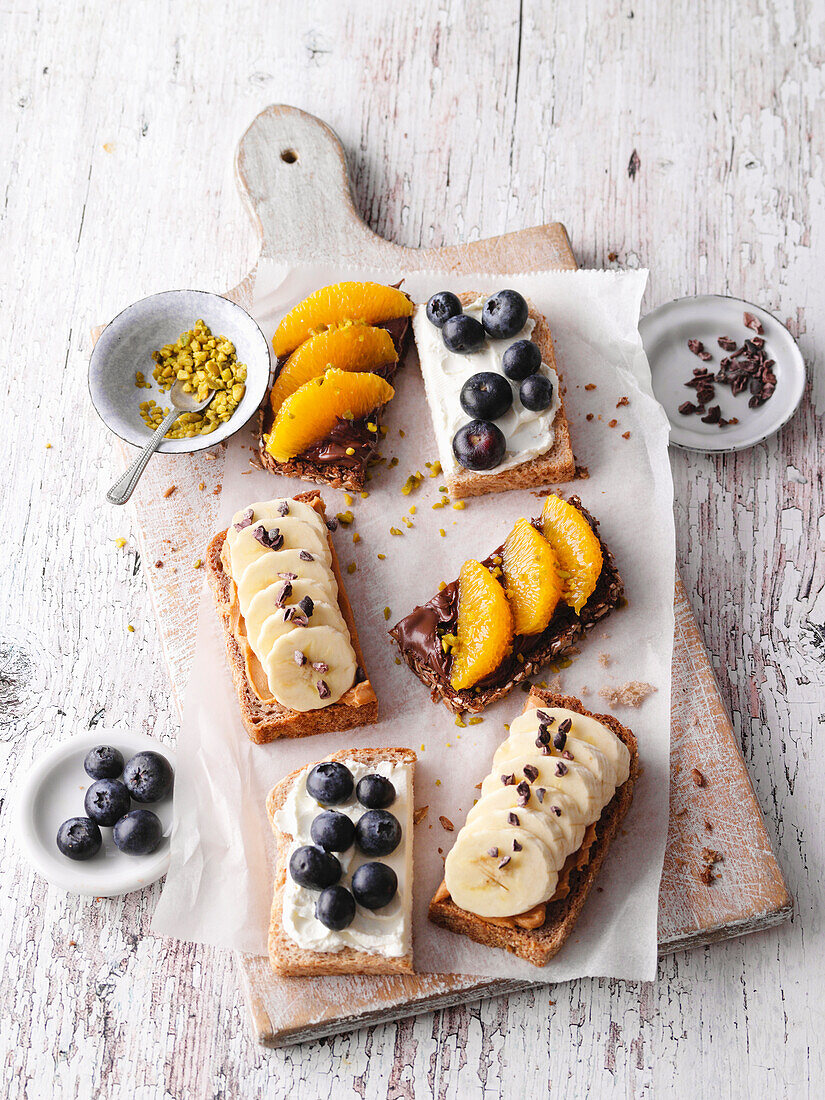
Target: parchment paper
(218, 889)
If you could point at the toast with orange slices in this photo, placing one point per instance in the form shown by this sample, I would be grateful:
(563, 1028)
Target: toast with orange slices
(506, 616)
(337, 353)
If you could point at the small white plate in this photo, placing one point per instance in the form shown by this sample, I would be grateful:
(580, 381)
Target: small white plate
(665, 333)
(53, 791)
(126, 345)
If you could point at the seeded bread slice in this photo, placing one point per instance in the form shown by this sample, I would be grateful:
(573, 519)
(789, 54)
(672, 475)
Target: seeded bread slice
(558, 639)
(336, 475)
(554, 466)
(289, 958)
(539, 945)
(267, 721)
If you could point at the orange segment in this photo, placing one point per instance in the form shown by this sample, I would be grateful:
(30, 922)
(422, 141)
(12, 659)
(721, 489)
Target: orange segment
(332, 305)
(311, 413)
(576, 547)
(531, 578)
(351, 347)
(485, 626)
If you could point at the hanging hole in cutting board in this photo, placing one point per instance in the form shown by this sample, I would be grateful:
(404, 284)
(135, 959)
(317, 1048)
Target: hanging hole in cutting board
(289, 156)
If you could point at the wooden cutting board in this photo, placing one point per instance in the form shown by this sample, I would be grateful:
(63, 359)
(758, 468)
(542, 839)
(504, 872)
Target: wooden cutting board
(293, 177)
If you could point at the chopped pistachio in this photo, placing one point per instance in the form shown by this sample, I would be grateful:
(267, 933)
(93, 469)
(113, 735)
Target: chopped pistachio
(459, 505)
(395, 531)
(120, 543)
(348, 499)
(382, 557)
(387, 613)
(351, 567)
(356, 537)
(130, 628)
(474, 721)
(344, 517)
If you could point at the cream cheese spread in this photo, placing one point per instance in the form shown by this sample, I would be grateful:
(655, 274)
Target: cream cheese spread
(528, 433)
(385, 931)
(549, 781)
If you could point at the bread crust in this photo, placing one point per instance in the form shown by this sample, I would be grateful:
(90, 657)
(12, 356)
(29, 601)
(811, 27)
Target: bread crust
(269, 721)
(539, 945)
(288, 958)
(607, 595)
(555, 466)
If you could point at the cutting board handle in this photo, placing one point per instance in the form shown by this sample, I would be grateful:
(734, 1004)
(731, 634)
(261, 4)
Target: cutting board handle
(292, 174)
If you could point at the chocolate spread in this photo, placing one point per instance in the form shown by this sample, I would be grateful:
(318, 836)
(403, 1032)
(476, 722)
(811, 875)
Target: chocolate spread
(347, 434)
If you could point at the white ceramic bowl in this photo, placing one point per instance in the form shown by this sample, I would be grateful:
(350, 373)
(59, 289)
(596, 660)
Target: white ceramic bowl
(53, 791)
(665, 333)
(126, 345)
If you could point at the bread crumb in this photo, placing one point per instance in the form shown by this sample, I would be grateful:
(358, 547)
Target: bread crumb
(446, 823)
(420, 814)
(697, 777)
(625, 435)
(168, 492)
(621, 402)
(589, 416)
(590, 386)
(631, 694)
(612, 423)
(582, 473)
(604, 659)
(710, 857)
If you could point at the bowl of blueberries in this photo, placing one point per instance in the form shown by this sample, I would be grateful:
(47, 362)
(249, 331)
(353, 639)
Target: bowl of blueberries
(94, 813)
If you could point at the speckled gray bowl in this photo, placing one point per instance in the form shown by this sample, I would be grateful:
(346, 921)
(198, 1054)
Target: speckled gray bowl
(126, 346)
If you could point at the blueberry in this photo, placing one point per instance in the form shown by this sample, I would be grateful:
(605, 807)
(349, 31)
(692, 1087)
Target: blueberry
(148, 775)
(314, 868)
(335, 908)
(330, 783)
(536, 392)
(106, 801)
(374, 885)
(462, 334)
(486, 395)
(479, 445)
(504, 314)
(375, 792)
(332, 831)
(79, 838)
(138, 833)
(441, 307)
(521, 359)
(103, 762)
(377, 833)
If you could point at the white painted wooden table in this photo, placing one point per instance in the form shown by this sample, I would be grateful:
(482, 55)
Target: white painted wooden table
(683, 137)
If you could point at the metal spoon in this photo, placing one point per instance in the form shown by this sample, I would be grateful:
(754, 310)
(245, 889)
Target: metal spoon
(181, 403)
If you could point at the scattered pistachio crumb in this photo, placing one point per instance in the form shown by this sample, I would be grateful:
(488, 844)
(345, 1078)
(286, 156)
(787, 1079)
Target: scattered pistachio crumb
(459, 721)
(350, 451)
(393, 462)
(48, 446)
(387, 613)
(202, 485)
(459, 505)
(130, 628)
(412, 509)
(438, 782)
(382, 557)
(395, 531)
(422, 748)
(398, 660)
(344, 517)
(401, 432)
(347, 499)
(438, 504)
(442, 532)
(364, 494)
(442, 488)
(475, 720)
(120, 543)
(198, 563)
(442, 585)
(351, 567)
(356, 537)
(436, 469)
(383, 429)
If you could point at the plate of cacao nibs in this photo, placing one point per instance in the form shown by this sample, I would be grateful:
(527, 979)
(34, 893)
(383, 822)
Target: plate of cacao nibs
(726, 372)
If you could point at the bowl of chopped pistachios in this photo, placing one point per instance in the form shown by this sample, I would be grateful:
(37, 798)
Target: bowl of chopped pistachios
(209, 344)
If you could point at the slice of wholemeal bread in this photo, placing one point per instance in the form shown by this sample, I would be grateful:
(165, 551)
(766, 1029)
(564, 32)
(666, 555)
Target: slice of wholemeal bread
(538, 945)
(267, 721)
(351, 477)
(559, 638)
(288, 957)
(554, 466)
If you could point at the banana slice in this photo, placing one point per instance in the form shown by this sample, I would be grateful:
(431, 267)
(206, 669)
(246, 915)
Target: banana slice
(556, 774)
(522, 744)
(269, 568)
(272, 510)
(323, 614)
(310, 667)
(496, 806)
(584, 728)
(542, 826)
(503, 884)
(294, 533)
(266, 603)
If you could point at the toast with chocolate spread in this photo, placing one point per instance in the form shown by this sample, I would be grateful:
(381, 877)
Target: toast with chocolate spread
(419, 636)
